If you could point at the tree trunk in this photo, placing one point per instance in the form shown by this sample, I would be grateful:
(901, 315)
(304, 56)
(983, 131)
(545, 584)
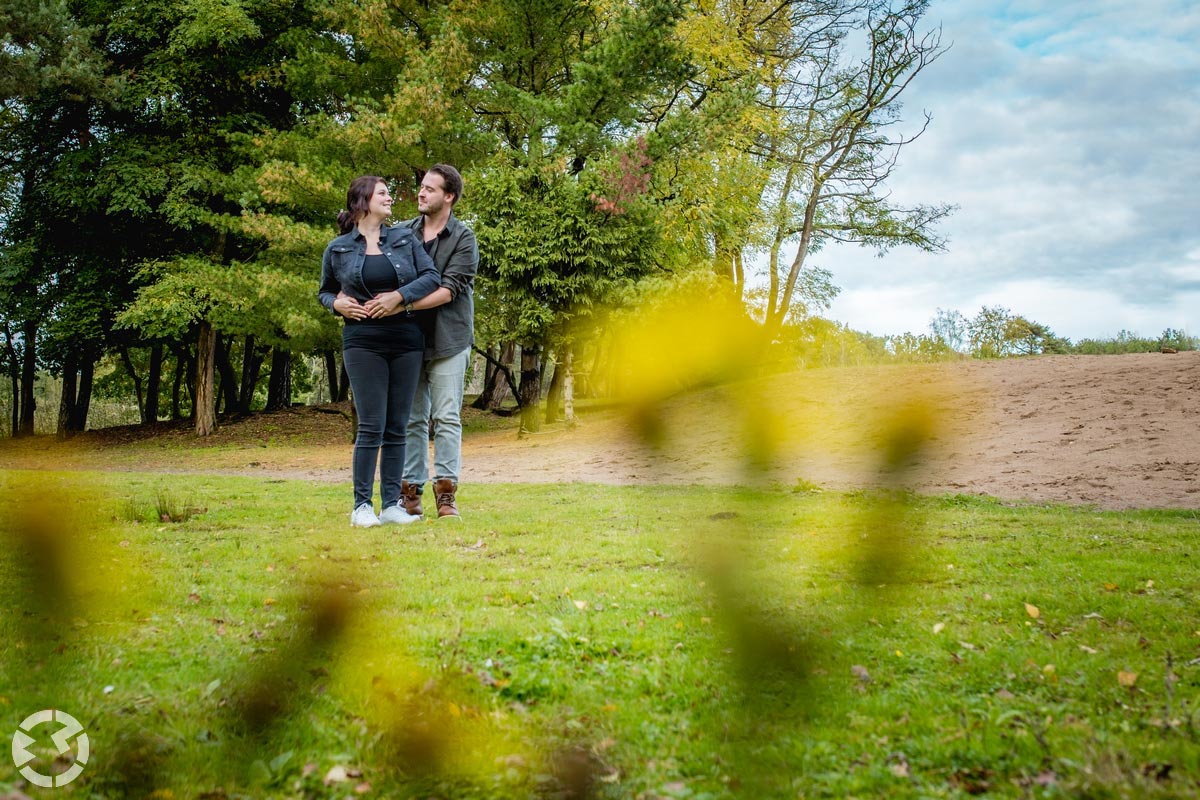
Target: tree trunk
(252, 360)
(530, 391)
(279, 389)
(181, 362)
(66, 402)
(137, 382)
(204, 398)
(596, 383)
(568, 384)
(496, 389)
(229, 388)
(343, 393)
(554, 393)
(83, 400)
(153, 382)
(28, 376)
(14, 374)
(489, 375)
(331, 374)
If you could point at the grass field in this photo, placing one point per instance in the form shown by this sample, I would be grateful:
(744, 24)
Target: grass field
(233, 637)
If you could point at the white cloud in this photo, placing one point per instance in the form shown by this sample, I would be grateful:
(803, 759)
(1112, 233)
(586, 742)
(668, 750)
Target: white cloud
(1066, 135)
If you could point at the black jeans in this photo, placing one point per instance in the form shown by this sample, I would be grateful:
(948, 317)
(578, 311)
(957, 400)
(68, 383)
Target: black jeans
(384, 384)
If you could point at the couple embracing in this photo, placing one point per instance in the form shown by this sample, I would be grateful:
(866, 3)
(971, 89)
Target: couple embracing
(405, 294)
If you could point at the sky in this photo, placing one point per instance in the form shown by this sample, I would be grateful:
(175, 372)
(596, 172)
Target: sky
(1067, 132)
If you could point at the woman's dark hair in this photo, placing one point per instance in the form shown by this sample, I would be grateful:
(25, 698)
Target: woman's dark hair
(358, 201)
(451, 180)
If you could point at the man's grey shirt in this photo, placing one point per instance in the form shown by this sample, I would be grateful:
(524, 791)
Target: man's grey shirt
(456, 255)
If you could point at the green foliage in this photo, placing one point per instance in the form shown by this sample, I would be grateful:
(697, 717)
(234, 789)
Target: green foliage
(996, 332)
(910, 348)
(1129, 342)
(547, 253)
(819, 342)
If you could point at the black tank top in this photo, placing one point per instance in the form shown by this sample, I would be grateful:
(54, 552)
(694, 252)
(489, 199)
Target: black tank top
(397, 333)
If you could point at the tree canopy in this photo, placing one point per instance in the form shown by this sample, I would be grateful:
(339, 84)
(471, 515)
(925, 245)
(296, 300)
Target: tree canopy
(171, 171)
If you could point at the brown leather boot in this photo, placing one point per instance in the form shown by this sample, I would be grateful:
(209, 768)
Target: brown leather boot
(443, 490)
(410, 496)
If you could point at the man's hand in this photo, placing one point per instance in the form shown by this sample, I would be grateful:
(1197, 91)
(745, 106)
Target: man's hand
(384, 305)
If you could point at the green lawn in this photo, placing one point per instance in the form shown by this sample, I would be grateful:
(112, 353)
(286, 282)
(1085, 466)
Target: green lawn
(586, 641)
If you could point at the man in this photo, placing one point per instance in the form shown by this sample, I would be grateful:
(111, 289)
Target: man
(448, 342)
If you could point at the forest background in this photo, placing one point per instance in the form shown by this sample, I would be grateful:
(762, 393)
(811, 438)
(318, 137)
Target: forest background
(170, 172)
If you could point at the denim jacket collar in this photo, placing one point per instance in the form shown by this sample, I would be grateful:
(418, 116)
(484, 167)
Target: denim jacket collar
(388, 233)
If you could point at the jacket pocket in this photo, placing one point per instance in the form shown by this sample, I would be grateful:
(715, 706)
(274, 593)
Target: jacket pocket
(402, 259)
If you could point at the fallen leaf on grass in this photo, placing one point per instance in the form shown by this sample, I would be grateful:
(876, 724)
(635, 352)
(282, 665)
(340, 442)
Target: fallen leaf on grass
(1127, 679)
(939, 627)
(1032, 611)
(1089, 650)
(1047, 778)
(340, 774)
(1110, 587)
(972, 780)
(1159, 772)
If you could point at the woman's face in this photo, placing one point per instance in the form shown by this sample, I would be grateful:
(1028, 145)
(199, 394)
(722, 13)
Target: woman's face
(381, 201)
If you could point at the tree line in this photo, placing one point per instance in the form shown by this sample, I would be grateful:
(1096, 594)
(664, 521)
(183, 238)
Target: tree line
(997, 332)
(170, 171)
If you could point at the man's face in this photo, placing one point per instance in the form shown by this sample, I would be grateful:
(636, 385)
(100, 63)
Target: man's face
(432, 197)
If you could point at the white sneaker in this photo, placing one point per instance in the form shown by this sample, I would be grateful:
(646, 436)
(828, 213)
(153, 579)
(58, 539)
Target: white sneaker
(364, 517)
(397, 514)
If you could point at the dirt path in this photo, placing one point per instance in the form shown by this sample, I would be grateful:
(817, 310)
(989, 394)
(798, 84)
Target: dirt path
(1111, 431)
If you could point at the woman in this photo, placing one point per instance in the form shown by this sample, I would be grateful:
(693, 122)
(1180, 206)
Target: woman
(371, 275)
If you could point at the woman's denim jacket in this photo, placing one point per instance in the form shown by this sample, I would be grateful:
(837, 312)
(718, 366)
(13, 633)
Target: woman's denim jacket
(342, 264)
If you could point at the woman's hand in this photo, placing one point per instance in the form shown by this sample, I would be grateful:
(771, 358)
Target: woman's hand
(384, 304)
(349, 308)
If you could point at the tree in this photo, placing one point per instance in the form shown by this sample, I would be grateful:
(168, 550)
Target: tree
(950, 327)
(201, 80)
(560, 88)
(822, 145)
(987, 332)
(995, 332)
(549, 257)
(50, 77)
(1027, 338)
